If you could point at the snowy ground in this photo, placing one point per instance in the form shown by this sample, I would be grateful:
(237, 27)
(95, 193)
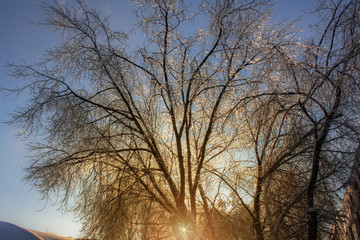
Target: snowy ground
(10, 231)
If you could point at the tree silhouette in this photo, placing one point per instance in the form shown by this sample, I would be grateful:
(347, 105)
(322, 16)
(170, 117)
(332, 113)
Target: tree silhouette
(150, 141)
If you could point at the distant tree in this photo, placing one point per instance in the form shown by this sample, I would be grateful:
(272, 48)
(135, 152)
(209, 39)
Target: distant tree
(264, 181)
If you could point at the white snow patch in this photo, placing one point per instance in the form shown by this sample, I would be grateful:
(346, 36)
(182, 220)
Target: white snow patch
(10, 231)
(49, 236)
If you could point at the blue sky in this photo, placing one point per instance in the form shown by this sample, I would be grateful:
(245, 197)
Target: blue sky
(21, 40)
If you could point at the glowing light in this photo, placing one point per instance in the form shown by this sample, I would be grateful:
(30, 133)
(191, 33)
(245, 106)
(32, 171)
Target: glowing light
(183, 229)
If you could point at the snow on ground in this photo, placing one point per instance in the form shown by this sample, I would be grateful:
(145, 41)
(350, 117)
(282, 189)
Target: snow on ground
(49, 236)
(10, 231)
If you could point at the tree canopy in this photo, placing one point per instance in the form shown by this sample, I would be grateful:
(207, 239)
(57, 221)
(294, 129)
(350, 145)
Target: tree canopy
(220, 125)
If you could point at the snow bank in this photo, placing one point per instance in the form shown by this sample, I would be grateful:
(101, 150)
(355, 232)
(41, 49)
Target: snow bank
(10, 231)
(49, 236)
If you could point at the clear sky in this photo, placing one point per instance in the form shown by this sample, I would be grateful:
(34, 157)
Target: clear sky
(21, 40)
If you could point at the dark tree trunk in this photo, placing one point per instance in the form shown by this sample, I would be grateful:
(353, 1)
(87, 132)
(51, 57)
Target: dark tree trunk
(319, 141)
(312, 211)
(256, 221)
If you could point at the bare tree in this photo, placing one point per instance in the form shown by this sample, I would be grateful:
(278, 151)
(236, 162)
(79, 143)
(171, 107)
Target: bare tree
(128, 133)
(194, 132)
(263, 181)
(325, 79)
(303, 132)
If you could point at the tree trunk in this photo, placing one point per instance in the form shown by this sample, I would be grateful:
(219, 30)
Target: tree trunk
(312, 211)
(256, 221)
